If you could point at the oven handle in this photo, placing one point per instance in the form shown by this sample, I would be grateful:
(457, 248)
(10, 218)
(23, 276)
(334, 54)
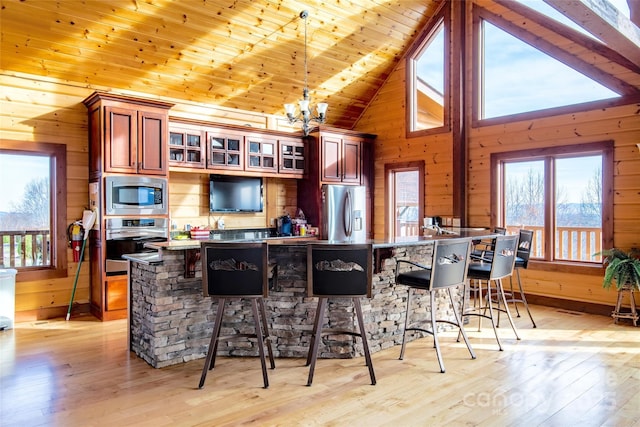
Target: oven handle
(135, 235)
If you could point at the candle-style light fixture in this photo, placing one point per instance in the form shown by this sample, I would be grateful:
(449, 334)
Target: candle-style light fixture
(304, 116)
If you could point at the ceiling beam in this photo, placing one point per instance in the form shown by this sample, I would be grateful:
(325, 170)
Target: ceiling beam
(605, 22)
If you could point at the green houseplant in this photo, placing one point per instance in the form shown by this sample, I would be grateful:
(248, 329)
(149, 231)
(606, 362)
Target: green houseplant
(623, 267)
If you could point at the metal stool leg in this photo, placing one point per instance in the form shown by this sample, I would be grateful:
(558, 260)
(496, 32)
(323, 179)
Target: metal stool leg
(504, 300)
(267, 335)
(490, 308)
(460, 326)
(524, 298)
(213, 345)
(406, 323)
(365, 344)
(260, 339)
(313, 350)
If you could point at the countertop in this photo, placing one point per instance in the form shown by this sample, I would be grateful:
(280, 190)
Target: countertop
(189, 244)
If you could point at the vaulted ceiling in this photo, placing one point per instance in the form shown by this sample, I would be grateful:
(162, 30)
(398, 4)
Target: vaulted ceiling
(244, 54)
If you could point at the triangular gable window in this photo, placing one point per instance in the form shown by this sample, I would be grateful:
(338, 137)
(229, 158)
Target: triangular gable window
(518, 78)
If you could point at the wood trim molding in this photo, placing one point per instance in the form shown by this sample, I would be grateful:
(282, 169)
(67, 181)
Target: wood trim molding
(58, 191)
(396, 167)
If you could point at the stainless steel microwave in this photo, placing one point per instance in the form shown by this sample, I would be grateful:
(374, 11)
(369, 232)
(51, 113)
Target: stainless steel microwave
(136, 195)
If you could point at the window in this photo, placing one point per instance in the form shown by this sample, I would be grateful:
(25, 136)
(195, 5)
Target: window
(562, 194)
(33, 209)
(518, 78)
(406, 198)
(426, 76)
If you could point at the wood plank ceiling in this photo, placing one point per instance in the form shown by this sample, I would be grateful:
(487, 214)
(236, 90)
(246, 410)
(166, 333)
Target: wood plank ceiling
(243, 54)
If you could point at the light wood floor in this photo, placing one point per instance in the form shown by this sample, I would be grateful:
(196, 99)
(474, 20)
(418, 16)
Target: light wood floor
(574, 369)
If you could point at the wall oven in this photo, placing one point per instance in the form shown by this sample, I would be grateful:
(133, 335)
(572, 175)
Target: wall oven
(128, 236)
(136, 195)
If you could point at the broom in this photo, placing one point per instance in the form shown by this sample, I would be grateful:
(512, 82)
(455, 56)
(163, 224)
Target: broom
(88, 219)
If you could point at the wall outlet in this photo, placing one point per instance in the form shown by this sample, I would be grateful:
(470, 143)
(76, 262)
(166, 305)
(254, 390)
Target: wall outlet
(221, 224)
(272, 222)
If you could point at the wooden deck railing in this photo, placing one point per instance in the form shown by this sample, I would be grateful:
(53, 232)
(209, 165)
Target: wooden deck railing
(572, 243)
(407, 228)
(31, 248)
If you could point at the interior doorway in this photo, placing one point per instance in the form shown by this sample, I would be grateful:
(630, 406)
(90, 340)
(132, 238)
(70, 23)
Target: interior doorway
(405, 198)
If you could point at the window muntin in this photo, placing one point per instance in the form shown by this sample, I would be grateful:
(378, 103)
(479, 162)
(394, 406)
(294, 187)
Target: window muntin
(517, 78)
(34, 209)
(560, 195)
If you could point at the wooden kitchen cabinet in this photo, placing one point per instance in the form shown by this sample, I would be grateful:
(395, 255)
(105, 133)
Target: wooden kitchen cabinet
(262, 153)
(292, 157)
(235, 150)
(341, 159)
(225, 150)
(335, 156)
(187, 146)
(127, 135)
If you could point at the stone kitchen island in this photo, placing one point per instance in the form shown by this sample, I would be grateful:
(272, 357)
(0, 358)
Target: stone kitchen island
(170, 321)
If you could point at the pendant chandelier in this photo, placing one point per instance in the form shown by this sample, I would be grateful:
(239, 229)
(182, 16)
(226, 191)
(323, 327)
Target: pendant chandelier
(304, 116)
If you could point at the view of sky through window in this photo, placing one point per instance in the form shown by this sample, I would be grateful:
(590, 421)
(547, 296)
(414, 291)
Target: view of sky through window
(16, 171)
(519, 78)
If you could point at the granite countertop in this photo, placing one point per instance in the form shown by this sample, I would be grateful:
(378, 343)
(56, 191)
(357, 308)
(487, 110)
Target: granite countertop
(148, 258)
(476, 233)
(181, 245)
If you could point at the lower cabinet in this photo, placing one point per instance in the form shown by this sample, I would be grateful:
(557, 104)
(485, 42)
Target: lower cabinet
(116, 292)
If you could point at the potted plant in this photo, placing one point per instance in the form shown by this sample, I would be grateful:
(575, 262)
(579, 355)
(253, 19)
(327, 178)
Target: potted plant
(623, 267)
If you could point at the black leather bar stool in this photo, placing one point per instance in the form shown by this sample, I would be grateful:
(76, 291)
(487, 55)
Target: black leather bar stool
(448, 269)
(493, 271)
(338, 271)
(525, 241)
(237, 270)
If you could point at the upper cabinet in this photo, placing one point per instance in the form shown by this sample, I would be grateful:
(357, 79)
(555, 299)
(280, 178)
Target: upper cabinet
(340, 158)
(335, 156)
(262, 153)
(225, 150)
(235, 149)
(127, 135)
(292, 156)
(187, 146)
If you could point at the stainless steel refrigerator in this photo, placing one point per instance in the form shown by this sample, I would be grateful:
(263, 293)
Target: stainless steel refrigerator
(344, 215)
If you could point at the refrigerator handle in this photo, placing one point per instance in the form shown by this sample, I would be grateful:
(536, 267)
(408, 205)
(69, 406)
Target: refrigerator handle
(348, 211)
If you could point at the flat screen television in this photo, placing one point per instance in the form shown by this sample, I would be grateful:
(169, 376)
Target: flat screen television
(235, 193)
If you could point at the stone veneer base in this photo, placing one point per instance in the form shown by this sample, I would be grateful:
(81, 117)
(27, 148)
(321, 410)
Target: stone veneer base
(171, 321)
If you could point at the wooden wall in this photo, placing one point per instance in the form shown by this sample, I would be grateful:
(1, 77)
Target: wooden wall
(45, 110)
(385, 117)
(189, 202)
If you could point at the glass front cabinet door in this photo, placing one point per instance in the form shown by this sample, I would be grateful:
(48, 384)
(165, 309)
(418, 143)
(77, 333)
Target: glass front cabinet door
(226, 150)
(186, 147)
(292, 157)
(261, 154)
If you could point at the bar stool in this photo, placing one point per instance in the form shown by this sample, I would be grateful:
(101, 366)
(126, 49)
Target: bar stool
(494, 270)
(237, 270)
(525, 241)
(448, 269)
(338, 271)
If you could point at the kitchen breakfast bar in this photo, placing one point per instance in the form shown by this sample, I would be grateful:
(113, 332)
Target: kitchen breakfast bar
(170, 321)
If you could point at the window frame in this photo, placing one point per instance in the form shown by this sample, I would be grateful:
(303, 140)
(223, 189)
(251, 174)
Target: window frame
(389, 213)
(628, 94)
(602, 148)
(443, 16)
(57, 154)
